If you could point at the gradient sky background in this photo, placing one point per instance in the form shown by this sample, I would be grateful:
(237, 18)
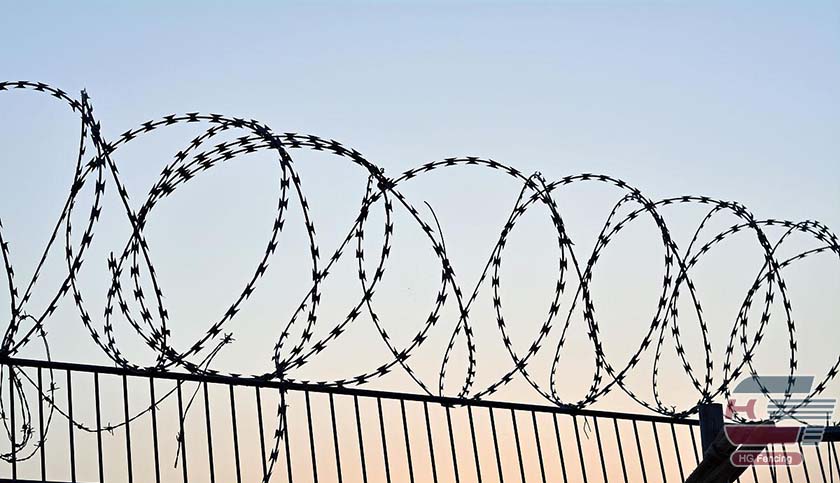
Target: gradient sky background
(734, 100)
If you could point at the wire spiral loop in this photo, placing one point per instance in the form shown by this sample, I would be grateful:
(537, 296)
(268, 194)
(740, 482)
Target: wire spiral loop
(151, 322)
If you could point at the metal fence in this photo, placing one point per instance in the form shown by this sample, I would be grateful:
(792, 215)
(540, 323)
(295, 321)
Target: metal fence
(104, 424)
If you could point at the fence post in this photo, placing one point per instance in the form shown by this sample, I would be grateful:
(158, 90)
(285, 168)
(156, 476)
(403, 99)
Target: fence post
(717, 450)
(711, 423)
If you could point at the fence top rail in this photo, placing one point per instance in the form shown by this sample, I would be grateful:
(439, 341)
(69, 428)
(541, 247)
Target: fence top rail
(343, 390)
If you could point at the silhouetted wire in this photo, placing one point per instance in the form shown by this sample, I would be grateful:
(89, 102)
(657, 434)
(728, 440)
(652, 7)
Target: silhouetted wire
(151, 321)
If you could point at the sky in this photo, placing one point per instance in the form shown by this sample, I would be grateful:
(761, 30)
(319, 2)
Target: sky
(732, 100)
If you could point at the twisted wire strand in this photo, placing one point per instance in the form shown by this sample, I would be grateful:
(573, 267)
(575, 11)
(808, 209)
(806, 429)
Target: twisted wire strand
(149, 319)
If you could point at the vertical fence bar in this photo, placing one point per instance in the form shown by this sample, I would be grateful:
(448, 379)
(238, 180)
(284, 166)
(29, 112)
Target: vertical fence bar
(496, 445)
(72, 430)
(127, 429)
(183, 434)
(13, 429)
(600, 448)
(407, 442)
(804, 463)
(311, 438)
(452, 446)
(283, 412)
(207, 427)
(261, 430)
(335, 441)
(98, 426)
(474, 444)
(362, 440)
(41, 433)
(639, 449)
(539, 445)
(384, 441)
(560, 449)
(787, 466)
(771, 468)
(677, 450)
(694, 445)
(155, 445)
(820, 460)
(518, 446)
(235, 434)
(580, 449)
(431, 441)
(620, 450)
(659, 451)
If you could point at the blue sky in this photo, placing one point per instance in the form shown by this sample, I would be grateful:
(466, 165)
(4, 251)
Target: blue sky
(734, 100)
(701, 95)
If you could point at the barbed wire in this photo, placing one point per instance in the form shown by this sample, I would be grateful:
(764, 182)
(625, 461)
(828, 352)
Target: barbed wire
(150, 319)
